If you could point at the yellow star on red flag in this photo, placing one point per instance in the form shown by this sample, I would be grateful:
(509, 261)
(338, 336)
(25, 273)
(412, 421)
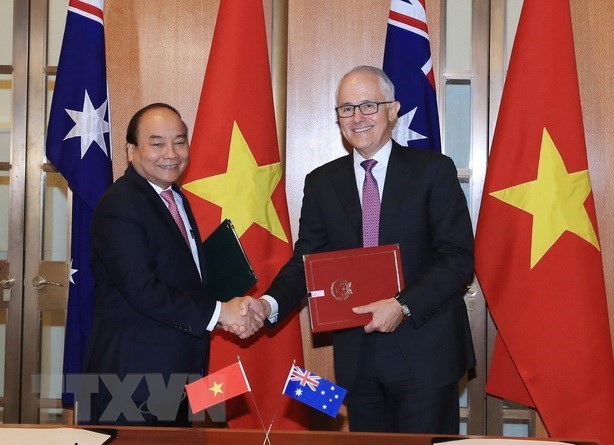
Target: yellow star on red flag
(244, 190)
(206, 392)
(541, 272)
(216, 388)
(235, 173)
(555, 199)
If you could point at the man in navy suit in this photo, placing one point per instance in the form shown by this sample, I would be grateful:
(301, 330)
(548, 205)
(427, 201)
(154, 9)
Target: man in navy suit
(152, 318)
(402, 369)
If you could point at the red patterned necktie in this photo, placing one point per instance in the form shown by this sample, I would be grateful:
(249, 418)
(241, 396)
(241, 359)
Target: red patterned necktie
(370, 206)
(167, 195)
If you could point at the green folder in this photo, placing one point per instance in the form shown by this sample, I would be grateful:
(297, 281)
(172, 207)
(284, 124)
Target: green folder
(229, 272)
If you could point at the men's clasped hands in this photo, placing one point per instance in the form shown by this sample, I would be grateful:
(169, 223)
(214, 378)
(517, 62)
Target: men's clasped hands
(243, 316)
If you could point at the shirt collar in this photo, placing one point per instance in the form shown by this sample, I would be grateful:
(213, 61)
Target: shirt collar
(381, 156)
(159, 189)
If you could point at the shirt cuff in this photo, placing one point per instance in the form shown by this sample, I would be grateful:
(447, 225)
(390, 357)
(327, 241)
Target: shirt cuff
(274, 308)
(215, 317)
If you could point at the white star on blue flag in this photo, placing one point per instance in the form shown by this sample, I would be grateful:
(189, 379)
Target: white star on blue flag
(90, 125)
(408, 63)
(313, 390)
(79, 118)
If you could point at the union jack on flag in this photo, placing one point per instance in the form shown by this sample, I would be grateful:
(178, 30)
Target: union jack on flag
(79, 147)
(324, 396)
(304, 377)
(408, 63)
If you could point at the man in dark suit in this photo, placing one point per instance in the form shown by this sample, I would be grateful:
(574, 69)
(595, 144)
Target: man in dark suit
(152, 317)
(402, 369)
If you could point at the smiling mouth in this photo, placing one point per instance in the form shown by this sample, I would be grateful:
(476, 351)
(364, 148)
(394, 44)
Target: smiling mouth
(168, 167)
(362, 129)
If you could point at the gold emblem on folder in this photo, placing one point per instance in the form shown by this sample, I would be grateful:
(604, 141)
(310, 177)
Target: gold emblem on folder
(341, 289)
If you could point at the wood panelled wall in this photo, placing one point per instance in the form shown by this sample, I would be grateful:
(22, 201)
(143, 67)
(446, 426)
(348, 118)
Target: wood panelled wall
(157, 51)
(593, 26)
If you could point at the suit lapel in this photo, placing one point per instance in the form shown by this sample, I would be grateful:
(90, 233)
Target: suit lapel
(156, 201)
(398, 176)
(194, 232)
(167, 219)
(345, 186)
(188, 211)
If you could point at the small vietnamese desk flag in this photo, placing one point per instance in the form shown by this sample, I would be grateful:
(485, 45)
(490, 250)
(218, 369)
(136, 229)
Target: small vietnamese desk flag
(408, 63)
(538, 255)
(315, 391)
(79, 147)
(235, 172)
(224, 384)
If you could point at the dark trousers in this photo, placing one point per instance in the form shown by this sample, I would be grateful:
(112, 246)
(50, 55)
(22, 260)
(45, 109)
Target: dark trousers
(386, 397)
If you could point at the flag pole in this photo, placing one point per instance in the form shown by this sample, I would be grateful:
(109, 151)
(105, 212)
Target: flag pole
(279, 71)
(266, 437)
(277, 407)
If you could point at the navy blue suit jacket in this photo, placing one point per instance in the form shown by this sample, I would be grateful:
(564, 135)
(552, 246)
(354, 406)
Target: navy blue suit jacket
(423, 210)
(151, 311)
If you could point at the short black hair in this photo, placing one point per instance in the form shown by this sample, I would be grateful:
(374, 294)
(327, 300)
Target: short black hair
(133, 125)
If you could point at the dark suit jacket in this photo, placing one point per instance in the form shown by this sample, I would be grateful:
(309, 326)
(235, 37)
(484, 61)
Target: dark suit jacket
(151, 311)
(423, 210)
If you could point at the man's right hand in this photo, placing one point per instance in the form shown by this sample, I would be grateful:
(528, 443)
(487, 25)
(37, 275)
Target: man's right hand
(243, 316)
(260, 306)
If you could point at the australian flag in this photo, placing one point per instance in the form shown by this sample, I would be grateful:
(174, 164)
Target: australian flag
(408, 63)
(79, 146)
(313, 390)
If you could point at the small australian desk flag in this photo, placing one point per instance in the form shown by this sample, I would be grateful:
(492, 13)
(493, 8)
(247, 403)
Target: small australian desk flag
(313, 390)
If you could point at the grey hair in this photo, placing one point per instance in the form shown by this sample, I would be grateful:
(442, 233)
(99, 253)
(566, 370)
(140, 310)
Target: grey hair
(385, 83)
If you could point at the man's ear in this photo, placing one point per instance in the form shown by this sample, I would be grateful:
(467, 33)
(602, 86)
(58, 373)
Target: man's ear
(130, 151)
(394, 111)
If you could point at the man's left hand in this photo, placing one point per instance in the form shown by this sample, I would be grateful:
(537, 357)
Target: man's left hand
(387, 315)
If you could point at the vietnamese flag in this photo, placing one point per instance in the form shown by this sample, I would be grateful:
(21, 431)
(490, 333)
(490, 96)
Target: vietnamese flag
(212, 389)
(235, 173)
(538, 254)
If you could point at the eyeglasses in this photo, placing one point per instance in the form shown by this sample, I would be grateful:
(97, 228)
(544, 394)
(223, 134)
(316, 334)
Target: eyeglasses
(365, 108)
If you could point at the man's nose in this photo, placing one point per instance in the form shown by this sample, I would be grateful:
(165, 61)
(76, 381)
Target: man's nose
(169, 150)
(358, 116)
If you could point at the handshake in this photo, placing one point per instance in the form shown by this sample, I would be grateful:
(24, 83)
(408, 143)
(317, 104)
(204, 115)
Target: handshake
(243, 316)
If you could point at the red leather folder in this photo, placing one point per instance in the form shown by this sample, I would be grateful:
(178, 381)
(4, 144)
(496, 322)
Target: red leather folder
(340, 280)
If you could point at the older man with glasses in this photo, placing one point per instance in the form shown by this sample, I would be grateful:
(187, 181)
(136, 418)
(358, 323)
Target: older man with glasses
(401, 369)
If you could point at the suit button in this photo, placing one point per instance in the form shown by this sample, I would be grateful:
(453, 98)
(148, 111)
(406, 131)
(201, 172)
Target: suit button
(427, 316)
